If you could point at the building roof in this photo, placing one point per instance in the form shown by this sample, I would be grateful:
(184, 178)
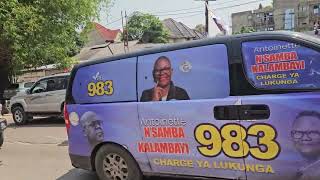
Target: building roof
(117, 48)
(100, 35)
(179, 30)
(107, 34)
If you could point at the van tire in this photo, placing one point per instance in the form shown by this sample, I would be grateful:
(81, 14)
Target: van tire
(123, 164)
(20, 117)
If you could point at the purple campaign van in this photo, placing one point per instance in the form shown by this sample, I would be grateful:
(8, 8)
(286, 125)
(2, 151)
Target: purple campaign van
(235, 107)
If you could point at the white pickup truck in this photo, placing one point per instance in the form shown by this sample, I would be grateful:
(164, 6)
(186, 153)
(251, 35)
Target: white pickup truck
(45, 98)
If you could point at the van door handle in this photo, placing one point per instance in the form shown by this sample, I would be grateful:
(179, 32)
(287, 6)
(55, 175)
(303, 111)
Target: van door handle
(229, 112)
(242, 112)
(254, 112)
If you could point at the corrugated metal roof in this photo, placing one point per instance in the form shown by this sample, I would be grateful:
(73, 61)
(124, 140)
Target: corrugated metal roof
(179, 30)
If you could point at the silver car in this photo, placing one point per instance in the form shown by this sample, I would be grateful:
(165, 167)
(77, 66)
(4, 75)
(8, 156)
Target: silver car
(45, 98)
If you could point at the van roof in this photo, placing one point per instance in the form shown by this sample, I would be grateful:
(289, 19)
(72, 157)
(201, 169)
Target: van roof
(202, 42)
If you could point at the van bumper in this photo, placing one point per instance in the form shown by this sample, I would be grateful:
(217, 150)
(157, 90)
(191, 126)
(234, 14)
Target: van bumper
(82, 162)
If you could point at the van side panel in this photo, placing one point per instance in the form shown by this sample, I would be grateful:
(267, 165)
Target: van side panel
(120, 125)
(105, 110)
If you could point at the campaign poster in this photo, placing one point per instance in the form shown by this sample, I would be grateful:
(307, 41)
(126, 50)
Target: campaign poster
(274, 64)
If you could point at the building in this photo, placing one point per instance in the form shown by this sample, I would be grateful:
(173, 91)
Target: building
(285, 14)
(263, 19)
(308, 14)
(260, 19)
(241, 19)
(179, 32)
(101, 35)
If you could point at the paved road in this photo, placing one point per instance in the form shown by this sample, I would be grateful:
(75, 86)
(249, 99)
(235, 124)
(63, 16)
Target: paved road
(39, 151)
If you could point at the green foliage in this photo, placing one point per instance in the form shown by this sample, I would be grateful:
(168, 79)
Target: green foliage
(147, 28)
(200, 28)
(245, 30)
(40, 32)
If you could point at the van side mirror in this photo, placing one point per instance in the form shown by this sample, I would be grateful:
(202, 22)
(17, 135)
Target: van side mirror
(28, 91)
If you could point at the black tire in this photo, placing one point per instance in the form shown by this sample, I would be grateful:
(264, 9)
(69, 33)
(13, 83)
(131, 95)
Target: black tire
(124, 165)
(1, 139)
(19, 116)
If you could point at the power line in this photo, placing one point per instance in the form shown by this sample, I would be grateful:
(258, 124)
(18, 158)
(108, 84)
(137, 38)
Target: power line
(250, 2)
(192, 15)
(190, 12)
(114, 21)
(159, 14)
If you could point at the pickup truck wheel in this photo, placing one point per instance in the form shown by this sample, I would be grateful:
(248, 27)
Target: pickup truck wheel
(19, 116)
(1, 139)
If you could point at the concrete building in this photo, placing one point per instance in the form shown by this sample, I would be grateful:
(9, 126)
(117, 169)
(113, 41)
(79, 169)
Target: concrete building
(263, 19)
(308, 14)
(260, 19)
(241, 19)
(285, 14)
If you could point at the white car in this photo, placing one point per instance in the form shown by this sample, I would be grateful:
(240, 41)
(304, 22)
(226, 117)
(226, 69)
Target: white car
(45, 98)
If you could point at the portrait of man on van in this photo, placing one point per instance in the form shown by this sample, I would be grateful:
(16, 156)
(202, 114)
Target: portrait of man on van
(92, 129)
(164, 89)
(306, 138)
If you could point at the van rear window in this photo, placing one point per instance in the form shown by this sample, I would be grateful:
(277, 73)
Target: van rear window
(106, 82)
(272, 64)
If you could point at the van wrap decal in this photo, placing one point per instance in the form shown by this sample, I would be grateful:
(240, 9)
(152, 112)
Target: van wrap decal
(272, 64)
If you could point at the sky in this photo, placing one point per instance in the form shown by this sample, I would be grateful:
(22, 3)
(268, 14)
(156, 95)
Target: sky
(189, 12)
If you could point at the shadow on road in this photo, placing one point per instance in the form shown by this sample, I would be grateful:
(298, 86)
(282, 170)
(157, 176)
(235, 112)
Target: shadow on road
(79, 174)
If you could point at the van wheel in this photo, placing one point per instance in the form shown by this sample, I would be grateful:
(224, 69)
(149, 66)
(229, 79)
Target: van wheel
(114, 163)
(19, 116)
(1, 139)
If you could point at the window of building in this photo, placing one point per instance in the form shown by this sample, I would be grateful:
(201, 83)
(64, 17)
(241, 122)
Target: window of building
(316, 9)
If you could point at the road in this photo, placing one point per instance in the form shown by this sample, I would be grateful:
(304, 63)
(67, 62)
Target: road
(39, 151)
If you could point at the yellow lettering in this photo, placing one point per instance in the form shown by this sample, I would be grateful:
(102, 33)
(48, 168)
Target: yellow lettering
(269, 169)
(206, 164)
(200, 164)
(156, 161)
(260, 168)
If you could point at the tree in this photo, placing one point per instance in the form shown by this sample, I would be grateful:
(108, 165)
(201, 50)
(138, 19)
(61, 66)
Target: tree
(200, 28)
(146, 28)
(34, 33)
(245, 30)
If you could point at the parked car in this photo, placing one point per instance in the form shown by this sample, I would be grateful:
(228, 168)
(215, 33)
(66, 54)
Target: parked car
(44, 98)
(15, 88)
(11, 91)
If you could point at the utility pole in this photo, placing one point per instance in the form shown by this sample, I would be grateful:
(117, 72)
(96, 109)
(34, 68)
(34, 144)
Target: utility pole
(207, 16)
(127, 33)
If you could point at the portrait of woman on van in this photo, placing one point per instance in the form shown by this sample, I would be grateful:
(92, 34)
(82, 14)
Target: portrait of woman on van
(306, 137)
(164, 89)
